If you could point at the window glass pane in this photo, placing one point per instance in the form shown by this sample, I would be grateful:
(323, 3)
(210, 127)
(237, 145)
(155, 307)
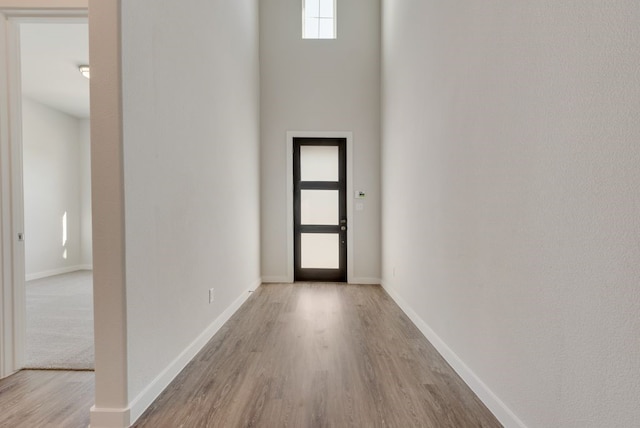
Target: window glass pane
(319, 207)
(311, 28)
(318, 19)
(326, 28)
(319, 163)
(326, 8)
(311, 8)
(320, 250)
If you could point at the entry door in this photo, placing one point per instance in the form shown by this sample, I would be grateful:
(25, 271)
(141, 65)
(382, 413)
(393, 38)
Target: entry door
(320, 209)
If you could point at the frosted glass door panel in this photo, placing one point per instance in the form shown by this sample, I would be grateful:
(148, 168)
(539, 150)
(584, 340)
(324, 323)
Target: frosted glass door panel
(319, 207)
(319, 163)
(320, 250)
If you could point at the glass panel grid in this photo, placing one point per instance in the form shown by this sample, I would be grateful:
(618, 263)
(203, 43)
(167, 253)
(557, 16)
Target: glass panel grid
(319, 19)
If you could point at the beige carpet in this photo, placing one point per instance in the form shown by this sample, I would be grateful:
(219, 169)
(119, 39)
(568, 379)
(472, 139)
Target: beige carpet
(60, 322)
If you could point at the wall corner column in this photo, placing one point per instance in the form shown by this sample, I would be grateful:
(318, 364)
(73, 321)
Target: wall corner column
(107, 176)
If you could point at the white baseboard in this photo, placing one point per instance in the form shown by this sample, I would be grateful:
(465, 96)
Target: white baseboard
(59, 271)
(364, 281)
(275, 279)
(109, 418)
(123, 418)
(495, 405)
(153, 390)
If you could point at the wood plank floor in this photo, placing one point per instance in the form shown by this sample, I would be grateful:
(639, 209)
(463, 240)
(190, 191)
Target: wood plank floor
(318, 355)
(46, 399)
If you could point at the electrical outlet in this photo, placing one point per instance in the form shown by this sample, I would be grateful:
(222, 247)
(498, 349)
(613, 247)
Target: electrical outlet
(211, 295)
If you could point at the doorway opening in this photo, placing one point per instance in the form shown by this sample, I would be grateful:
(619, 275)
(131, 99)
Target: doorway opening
(347, 138)
(320, 209)
(56, 177)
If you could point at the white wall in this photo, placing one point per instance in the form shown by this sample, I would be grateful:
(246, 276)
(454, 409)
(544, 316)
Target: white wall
(86, 235)
(191, 162)
(51, 174)
(510, 213)
(320, 85)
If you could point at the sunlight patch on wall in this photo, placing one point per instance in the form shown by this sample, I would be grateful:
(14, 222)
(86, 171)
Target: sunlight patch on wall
(64, 234)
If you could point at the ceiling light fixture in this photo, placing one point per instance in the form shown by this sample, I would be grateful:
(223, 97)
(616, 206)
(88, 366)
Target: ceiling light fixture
(84, 70)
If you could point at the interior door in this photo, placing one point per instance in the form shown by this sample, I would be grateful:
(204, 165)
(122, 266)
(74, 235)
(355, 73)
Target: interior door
(320, 209)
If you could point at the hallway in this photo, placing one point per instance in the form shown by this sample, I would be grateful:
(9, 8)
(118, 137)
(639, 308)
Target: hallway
(296, 355)
(318, 355)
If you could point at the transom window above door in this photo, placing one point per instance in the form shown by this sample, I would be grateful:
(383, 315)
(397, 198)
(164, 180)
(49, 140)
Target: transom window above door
(319, 19)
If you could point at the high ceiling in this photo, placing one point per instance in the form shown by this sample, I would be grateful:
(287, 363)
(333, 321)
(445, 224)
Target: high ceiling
(50, 56)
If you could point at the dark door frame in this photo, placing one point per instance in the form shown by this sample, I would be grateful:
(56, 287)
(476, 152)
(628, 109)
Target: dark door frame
(307, 274)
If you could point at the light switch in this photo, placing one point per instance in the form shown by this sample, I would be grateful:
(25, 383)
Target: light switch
(360, 206)
(360, 194)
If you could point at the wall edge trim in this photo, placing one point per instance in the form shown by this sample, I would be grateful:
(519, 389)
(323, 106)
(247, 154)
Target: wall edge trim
(499, 409)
